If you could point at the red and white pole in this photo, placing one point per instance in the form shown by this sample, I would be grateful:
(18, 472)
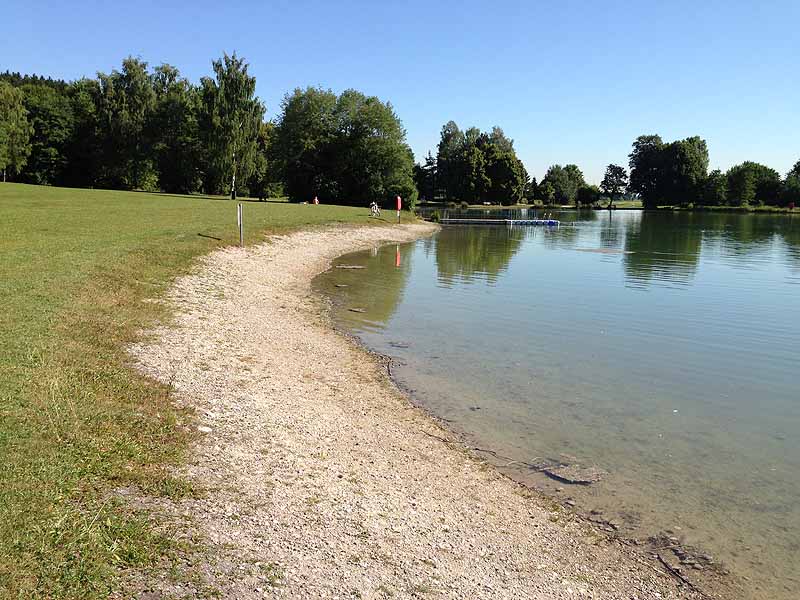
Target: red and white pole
(399, 206)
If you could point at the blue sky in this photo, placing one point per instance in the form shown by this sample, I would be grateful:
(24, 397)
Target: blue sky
(568, 81)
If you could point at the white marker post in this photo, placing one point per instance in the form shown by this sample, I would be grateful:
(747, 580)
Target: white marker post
(240, 223)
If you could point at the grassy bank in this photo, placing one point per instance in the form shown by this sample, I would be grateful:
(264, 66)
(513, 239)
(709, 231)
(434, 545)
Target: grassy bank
(78, 269)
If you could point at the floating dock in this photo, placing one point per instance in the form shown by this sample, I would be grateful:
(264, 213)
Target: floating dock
(509, 222)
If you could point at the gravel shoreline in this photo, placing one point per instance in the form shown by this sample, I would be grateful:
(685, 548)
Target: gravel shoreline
(322, 479)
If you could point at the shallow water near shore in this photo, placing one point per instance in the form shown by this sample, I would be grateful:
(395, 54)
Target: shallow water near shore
(660, 348)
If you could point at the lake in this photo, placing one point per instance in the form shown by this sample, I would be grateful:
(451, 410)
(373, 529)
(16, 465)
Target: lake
(660, 348)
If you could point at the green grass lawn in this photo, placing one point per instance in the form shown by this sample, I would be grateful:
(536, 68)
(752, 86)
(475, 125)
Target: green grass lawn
(77, 268)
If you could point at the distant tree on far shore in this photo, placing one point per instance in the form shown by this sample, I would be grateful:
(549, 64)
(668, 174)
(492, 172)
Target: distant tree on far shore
(646, 162)
(546, 192)
(588, 195)
(564, 182)
(615, 181)
(751, 183)
(425, 178)
(791, 186)
(715, 189)
(531, 189)
(475, 166)
(672, 173)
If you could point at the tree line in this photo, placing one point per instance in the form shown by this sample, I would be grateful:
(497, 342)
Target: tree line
(676, 173)
(479, 167)
(152, 129)
(473, 166)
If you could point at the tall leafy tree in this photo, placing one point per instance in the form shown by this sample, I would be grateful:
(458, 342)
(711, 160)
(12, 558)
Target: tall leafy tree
(753, 183)
(615, 181)
(231, 118)
(450, 158)
(15, 130)
(473, 172)
(794, 172)
(264, 181)
(714, 189)
(305, 132)
(425, 178)
(349, 149)
(791, 186)
(507, 176)
(175, 132)
(741, 185)
(565, 182)
(475, 166)
(50, 114)
(531, 189)
(587, 195)
(646, 162)
(546, 192)
(671, 173)
(125, 102)
(499, 139)
(684, 169)
(371, 157)
(83, 149)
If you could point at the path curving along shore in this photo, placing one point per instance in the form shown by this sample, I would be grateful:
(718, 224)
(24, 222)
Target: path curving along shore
(322, 480)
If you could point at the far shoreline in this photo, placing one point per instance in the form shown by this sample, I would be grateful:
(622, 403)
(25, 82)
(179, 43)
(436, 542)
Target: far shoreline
(743, 210)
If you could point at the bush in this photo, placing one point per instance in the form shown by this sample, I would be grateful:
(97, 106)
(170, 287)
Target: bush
(588, 195)
(464, 204)
(452, 205)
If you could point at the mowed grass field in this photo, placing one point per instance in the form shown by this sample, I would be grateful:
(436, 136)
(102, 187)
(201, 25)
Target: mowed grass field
(78, 269)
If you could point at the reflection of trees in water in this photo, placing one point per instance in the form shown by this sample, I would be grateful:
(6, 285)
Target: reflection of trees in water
(612, 231)
(428, 246)
(664, 247)
(378, 288)
(571, 234)
(468, 253)
(667, 246)
(564, 237)
(738, 235)
(790, 234)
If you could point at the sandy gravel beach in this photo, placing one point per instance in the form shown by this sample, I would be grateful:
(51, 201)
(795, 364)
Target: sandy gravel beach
(323, 481)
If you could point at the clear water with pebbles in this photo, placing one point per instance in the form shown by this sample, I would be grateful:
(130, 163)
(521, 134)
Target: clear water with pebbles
(661, 348)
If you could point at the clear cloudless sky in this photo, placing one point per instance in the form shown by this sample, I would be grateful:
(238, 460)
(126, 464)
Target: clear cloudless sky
(570, 82)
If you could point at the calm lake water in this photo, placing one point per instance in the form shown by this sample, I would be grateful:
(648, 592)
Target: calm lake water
(661, 348)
